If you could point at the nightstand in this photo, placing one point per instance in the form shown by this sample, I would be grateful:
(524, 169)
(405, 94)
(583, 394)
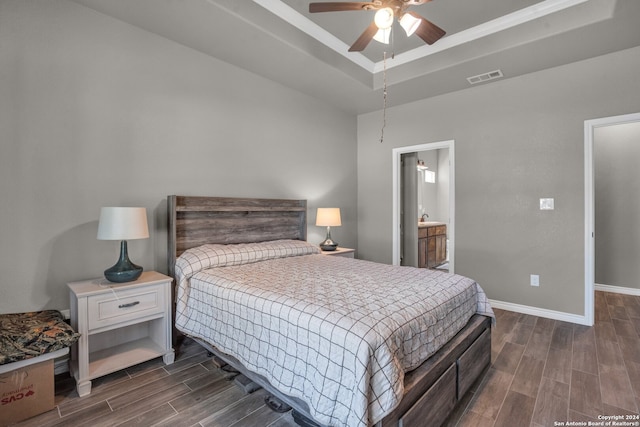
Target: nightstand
(343, 252)
(122, 324)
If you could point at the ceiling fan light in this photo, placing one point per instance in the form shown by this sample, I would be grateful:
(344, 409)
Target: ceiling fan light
(384, 18)
(382, 36)
(410, 23)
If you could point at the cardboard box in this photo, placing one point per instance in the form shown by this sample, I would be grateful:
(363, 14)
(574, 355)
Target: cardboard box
(26, 392)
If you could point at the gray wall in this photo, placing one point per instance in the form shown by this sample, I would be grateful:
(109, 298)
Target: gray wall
(616, 153)
(94, 112)
(516, 140)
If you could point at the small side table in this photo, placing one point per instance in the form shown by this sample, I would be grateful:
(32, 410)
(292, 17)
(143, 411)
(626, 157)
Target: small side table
(122, 324)
(343, 252)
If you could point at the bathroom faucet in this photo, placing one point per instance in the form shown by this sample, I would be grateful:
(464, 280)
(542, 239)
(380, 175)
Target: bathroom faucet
(422, 217)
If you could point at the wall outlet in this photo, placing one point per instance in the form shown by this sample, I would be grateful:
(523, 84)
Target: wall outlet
(535, 280)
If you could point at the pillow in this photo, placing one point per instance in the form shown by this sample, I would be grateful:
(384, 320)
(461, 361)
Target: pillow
(27, 335)
(209, 256)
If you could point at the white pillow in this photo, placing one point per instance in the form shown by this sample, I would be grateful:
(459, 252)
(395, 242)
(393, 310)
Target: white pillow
(208, 256)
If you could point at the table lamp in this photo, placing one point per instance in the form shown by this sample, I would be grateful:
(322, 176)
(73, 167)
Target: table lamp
(328, 217)
(123, 224)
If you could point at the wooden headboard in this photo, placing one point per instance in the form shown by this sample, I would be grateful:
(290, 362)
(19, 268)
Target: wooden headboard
(195, 221)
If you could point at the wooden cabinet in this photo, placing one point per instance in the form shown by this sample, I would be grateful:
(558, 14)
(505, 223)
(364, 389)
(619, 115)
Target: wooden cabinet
(432, 245)
(121, 324)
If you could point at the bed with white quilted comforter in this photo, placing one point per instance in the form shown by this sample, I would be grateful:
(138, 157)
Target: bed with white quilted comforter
(337, 333)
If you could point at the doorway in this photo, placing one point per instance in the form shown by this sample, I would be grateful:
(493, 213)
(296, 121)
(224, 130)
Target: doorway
(448, 176)
(590, 127)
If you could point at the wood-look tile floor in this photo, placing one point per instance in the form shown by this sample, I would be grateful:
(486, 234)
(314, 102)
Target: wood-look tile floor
(543, 372)
(192, 391)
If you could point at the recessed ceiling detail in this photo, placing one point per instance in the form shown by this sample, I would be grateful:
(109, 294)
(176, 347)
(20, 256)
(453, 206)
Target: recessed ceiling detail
(281, 41)
(513, 19)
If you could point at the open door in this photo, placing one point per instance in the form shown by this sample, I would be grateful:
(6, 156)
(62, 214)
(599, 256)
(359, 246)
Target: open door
(409, 210)
(590, 127)
(402, 210)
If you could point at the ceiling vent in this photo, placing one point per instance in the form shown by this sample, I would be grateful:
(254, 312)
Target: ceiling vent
(480, 78)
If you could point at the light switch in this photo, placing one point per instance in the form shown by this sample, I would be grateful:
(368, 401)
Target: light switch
(535, 280)
(546, 204)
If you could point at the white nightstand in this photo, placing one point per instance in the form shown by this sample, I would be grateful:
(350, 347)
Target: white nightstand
(122, 324)
(343, 252)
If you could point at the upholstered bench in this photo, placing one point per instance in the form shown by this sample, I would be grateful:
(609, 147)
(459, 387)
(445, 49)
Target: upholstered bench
(28, 344)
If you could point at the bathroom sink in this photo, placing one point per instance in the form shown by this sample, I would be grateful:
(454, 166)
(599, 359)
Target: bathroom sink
(429, 223)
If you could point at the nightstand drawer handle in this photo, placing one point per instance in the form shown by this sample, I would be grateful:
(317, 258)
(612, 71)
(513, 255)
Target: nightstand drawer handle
(131, 304)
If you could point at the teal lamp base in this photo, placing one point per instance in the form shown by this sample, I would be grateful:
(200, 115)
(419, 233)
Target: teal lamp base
(124, 270)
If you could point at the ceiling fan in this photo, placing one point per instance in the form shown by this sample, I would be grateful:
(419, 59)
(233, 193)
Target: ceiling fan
(380, 28)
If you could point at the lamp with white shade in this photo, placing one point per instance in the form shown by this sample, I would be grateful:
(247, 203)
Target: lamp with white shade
(123, 223)
(328, 217)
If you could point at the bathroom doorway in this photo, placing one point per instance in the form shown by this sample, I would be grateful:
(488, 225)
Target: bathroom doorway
(606, 131)
(424, 188)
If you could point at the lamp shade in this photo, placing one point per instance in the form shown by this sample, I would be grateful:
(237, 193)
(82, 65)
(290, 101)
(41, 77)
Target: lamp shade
(409, 23)
(382, 36)
(329, 217)
(118, 223)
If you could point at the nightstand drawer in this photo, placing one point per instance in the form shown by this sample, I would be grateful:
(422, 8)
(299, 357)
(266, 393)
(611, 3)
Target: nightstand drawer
(121, 306)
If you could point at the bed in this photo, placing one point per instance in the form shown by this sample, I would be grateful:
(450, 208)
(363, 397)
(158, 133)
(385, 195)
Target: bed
(252, 290)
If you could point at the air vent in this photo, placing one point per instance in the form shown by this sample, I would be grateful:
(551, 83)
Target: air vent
(480, 78)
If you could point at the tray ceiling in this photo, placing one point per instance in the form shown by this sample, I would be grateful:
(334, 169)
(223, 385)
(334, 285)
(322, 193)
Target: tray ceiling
(282, 41)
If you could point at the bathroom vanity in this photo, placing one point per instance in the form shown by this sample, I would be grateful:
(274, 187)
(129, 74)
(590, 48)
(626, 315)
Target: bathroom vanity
(432, 243)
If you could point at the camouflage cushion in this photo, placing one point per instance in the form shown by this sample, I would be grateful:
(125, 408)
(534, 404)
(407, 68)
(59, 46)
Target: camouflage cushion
(27, 335)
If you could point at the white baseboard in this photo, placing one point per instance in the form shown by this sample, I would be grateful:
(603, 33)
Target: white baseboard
(617, 289)
(540, 312)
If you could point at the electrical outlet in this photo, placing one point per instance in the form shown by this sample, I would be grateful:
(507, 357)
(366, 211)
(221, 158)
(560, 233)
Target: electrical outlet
(535, 280)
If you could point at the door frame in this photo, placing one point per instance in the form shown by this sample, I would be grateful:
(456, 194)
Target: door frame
(396, 154)
(589, 206)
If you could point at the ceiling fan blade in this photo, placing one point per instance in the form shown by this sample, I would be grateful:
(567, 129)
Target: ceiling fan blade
(339, 6)
(364, 38)
(428, 31)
